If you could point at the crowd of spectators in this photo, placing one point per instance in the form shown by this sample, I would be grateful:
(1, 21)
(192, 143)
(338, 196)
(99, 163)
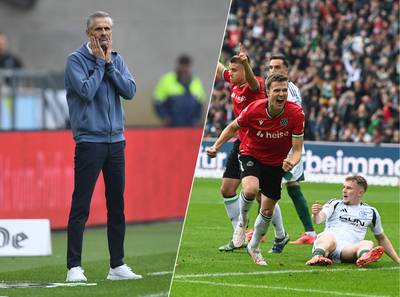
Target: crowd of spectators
(343, 55)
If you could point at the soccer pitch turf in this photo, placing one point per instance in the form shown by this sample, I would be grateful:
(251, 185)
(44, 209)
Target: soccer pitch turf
(150, 249)
(204, 271)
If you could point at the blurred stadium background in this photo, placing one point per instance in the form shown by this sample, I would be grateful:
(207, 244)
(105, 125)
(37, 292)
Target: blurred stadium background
(343, 55)
(36, 152)
(36, 158)
(149, 35)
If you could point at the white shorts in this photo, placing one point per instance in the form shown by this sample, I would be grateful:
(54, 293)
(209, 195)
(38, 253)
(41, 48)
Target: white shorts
(341, 243)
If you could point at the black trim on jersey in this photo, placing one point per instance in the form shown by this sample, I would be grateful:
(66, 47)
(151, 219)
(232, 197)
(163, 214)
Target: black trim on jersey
(334, 207)
(297, 135)
(373, 217)
(337, 203)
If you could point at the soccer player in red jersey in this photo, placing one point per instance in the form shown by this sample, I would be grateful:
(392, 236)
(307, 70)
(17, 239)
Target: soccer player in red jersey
(245, 88)
(274, 126)
(279, 64)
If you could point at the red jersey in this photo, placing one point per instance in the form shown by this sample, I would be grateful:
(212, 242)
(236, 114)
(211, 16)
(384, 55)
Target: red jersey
(270, 139)
(242, 96)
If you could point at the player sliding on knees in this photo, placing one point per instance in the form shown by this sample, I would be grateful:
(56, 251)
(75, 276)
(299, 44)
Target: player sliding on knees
(346, 223)
(245, 88)
(274, 126)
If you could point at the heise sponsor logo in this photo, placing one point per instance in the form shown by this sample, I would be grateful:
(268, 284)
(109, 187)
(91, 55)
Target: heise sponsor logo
(341, 164)
(272, 135)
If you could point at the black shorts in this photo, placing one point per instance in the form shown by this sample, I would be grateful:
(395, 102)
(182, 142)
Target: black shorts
(270, 177)
(232, 169)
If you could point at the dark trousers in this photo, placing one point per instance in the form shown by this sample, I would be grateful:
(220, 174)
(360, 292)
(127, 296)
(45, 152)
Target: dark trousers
(90, 159)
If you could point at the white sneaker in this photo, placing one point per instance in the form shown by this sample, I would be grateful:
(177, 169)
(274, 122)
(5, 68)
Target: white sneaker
(75, 274)
(255, 254)
(239, 235)
(122, 272)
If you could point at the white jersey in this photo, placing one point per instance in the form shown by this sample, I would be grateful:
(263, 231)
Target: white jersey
(350, 222)
(294, 94)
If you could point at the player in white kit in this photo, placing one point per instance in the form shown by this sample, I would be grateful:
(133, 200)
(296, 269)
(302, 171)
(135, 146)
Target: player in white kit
(346, 224)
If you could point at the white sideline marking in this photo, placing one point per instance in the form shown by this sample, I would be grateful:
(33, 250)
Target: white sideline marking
(160, 273)
(72, 284)
(281, 288)
(161, 294)
(211, 228)
(30, 285)
(183, 276)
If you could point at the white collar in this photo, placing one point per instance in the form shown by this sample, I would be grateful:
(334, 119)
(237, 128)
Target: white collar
(89, 49)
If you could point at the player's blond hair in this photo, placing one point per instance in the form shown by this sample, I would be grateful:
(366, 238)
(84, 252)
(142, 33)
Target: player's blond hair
(362, 182)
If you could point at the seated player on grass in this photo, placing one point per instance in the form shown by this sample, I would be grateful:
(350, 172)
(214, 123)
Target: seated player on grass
(346, 223)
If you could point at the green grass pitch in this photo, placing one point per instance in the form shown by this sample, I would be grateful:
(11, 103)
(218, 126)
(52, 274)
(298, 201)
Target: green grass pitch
(204, 271)
(150, 249)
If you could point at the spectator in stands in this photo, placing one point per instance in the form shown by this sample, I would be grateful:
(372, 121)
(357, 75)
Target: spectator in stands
(343, 55)
(179, 96)
(7, 59)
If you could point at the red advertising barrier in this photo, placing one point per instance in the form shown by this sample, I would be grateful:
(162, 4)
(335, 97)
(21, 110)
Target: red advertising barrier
(37, 175)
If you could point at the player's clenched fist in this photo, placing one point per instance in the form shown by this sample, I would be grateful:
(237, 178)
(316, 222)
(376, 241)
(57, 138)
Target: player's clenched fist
(316, 208)
(287, 165)
(212, 152)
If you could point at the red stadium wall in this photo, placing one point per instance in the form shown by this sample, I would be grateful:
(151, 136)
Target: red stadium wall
(37, 175)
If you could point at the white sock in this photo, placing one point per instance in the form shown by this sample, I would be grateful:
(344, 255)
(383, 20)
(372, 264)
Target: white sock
(311, 233)
(277, 222)
(245, 206)
(232, 207)
(260, 228)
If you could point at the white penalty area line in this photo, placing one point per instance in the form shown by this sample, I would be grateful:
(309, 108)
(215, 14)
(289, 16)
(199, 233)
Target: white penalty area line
(184, 276)
(157, 273)
(324, 292)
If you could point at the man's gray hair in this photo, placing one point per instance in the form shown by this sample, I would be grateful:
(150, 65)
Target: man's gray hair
(97, 14)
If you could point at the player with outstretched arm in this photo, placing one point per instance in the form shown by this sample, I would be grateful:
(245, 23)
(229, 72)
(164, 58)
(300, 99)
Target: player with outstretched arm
(245, 88)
